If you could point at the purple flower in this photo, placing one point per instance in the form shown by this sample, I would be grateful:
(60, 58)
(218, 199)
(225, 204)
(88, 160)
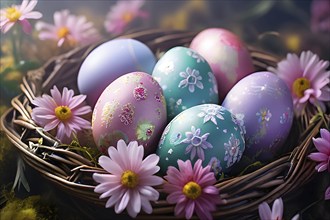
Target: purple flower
(276, 213)
(19, 14)
(320, 16)
(61, 111)
(322, 144)
(68, 27)
(122, 14)
(128, 184)
(192, 189)
(307, 77)
(197, 143)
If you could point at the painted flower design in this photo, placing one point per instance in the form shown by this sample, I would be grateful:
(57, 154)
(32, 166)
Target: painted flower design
(232, 151)
(284, 118)
(108, 111)
(175, 138)
(322, 144)
(76, 30)
(122, 14)
(144, 130)
(61, 111)
(307, 77)
(127, 114)
(215, 165)
(213, 81)
(196, 56)
(140, 92)
(19, 14)
(129, 182)
(197, 143)
(264, 115)
(276, 213)
(192, 190)
(211, 113)
(240, 121)
(166, 67)
(191, 79)
(165, 132)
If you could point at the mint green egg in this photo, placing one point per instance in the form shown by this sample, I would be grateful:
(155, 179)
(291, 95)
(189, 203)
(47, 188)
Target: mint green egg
(208, 132)
(186, 79)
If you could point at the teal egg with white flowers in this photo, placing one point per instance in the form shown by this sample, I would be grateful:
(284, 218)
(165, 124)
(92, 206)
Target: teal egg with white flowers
(208, 132)
(186, 79)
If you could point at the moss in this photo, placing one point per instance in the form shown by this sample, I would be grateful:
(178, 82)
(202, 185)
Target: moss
(30, 208)
(27, 214)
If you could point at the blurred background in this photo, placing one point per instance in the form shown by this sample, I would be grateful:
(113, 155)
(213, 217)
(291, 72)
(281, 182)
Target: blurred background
(275, 26)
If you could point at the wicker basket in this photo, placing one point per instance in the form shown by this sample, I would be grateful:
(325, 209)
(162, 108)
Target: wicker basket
(72, 172)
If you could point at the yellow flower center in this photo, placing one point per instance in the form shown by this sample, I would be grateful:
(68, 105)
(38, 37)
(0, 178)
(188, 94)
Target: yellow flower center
(63, 32)
(13, 14)
(129, 179)
(63, 113)
(127, 17)
(300, 85)
(192, 190)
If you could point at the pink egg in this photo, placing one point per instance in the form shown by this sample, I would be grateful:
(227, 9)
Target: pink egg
(131, 108)
(227, 56)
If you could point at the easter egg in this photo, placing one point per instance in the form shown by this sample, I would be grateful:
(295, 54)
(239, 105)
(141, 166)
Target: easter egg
(226, 54)
(208, 132)
(109, 61)
(186, 80)
(131, 108)
(263, 104)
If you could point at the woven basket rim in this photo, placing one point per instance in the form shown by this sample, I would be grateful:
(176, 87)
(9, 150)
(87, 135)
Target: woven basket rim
(265, 184)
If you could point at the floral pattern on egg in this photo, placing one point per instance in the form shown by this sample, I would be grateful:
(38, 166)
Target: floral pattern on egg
(263, 104)
(185, 77)
(134, 104)
(207, 132)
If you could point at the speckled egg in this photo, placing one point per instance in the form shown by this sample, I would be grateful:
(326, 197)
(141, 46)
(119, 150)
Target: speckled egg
(109, 61)
(263, 104)
(131, 108)
(186, 79)
(208, 132)
(226, 54)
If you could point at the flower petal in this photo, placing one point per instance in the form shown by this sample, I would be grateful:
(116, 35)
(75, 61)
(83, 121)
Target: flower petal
(136, 201)
(277, 209)
(264, 211)
(327, 194)
(318, 157)
(190, 207)
(110, 166)
(119, 207)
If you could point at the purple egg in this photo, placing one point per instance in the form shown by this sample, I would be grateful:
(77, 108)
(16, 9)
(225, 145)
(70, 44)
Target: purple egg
(131, 108)
(109, 61)
(263, 106)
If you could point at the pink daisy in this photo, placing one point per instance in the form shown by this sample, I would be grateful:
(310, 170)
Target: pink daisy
(68, 27)
(19, 13)
(130, 178)
(322, 144)
(307, 78)
(192, 190)
(122, 14)
(276, 213)
(61, 111)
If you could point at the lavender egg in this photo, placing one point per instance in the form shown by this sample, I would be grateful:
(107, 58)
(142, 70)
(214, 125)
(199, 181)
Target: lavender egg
(263, 104)
(109, 61)
(131, 108)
